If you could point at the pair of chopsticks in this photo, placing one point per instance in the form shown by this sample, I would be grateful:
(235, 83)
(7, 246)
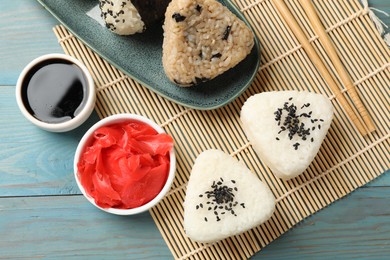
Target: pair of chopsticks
(331, 50)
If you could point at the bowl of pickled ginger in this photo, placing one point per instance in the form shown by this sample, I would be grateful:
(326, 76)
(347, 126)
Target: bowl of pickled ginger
(125, 164)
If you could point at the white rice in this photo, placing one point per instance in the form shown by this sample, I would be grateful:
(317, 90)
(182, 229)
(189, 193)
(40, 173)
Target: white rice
(209, 168)
(202, 39)
(121, 17)
(287, 158)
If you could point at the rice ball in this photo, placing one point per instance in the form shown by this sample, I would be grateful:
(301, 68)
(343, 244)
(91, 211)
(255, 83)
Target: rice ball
(121, 17)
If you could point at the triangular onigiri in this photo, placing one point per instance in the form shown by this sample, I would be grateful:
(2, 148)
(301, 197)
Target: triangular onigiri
(286, 128)
(202, 39)
(224, 198)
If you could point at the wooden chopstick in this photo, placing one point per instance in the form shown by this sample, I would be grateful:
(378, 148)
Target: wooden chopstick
(329, 47)
(315, 58)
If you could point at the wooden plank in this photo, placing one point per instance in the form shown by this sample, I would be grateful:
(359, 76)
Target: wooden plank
(25, 33)
(354, 227)
(33, 161)
(69, 226)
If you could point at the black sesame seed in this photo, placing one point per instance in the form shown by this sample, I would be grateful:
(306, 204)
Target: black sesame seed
(205, 219)
(291, 121)
(222, 197)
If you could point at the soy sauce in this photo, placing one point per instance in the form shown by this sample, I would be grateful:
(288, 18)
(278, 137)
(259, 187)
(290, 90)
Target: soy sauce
(54, 91)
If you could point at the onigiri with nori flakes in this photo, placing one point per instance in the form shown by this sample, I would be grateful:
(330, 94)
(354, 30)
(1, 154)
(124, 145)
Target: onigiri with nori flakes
(202, 39)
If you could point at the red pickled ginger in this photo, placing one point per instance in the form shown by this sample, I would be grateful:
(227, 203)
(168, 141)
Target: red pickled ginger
(125, 165)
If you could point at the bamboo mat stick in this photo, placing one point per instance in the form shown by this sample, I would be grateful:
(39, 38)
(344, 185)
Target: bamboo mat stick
(334, 57)
(315, 58)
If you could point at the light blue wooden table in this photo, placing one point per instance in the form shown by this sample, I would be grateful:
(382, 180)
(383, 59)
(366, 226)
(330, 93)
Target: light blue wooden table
(42, 213)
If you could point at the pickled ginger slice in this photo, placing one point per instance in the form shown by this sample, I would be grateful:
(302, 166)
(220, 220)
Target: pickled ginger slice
(224, 198)
(286, 128)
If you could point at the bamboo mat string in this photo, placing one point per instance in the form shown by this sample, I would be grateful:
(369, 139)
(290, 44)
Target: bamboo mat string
(377, 22)
(346, 160)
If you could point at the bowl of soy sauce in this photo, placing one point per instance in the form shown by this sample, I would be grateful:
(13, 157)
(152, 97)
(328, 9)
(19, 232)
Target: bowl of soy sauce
(56, 92)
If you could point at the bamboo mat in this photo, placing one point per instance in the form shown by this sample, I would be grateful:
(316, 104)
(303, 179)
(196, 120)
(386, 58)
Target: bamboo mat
(346, 159)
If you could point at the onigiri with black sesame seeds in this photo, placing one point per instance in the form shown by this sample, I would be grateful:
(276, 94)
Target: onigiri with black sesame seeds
(224, 198)
(127, 17)
(286, 128)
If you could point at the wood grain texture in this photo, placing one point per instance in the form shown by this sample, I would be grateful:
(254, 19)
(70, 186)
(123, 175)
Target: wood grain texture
(25, 33)
(348, 229)
(34, 163)
(67, 227)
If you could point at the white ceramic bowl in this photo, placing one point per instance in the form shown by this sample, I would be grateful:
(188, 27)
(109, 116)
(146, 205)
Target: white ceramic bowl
(71, 124)
(117, 119)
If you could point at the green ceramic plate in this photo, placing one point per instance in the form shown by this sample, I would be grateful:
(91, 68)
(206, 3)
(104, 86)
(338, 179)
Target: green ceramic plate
(139, 56)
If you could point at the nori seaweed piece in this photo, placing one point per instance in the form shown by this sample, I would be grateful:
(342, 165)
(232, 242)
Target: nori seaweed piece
(178, 17)
(217, 55)
(151, 11)
(200, 80)
(226, 33)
